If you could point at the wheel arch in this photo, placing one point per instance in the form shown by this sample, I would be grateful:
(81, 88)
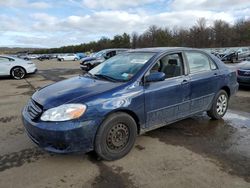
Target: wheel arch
(16, 66)
(129, 112)
(227, 89)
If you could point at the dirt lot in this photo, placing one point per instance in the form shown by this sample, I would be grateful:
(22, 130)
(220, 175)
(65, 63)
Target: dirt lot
(196, 152)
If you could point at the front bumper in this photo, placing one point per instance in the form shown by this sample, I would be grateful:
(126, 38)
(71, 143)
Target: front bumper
(84, 67)
(61, 137)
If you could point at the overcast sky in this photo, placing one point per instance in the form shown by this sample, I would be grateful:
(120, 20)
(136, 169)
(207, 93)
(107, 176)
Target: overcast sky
(54, 23)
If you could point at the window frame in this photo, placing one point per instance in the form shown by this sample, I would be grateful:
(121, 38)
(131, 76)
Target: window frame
(184, 65)
(7, 58)
(211, 61)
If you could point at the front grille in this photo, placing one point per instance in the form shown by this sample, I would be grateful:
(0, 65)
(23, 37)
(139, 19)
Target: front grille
(244, 73)
(34, 110)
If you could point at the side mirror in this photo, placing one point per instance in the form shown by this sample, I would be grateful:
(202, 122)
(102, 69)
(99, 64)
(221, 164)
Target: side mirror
(155, 77)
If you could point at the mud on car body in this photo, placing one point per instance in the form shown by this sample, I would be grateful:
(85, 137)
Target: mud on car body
(129, 94)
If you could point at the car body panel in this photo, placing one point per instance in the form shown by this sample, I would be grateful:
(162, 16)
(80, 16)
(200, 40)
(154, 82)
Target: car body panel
(77, 87)
(152, 104)
(161, 110)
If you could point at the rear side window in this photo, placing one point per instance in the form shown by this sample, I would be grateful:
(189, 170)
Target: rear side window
(3, 59)
(199, 62)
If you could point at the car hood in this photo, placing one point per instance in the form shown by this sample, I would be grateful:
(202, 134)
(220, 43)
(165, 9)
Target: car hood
(88, 59)
(245, 65)
(71, 90)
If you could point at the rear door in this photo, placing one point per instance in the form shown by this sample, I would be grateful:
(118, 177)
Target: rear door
(5, 66)
(168, 100)
(204, 76)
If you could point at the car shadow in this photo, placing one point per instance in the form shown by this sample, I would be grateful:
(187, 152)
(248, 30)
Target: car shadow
(244, 88)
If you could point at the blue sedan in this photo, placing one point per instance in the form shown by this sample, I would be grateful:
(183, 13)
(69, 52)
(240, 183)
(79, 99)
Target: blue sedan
(129, 94)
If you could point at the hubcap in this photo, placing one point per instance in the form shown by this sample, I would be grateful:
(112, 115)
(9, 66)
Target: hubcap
(118, 137)
(221, 104)
(18, 73)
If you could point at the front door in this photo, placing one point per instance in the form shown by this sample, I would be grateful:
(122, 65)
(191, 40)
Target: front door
(168, 100)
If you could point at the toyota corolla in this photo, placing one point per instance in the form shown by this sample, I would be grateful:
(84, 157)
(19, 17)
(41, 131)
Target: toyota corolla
(129, 94)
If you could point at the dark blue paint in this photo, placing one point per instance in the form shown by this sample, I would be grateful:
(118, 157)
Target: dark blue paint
(153, 104)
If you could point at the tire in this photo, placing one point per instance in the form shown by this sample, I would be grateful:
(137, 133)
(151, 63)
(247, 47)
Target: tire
(219, 106)
(116, 136)
(75, 59)
(18, 73)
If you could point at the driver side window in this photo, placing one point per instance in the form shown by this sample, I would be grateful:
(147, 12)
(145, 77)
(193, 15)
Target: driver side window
(171, 65)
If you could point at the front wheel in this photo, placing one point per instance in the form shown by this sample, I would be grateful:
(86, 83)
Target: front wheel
(18, 73)
(219, 106)
(116, 136)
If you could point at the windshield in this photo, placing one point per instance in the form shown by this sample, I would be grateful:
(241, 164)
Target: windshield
(122, 67)
(99, 54)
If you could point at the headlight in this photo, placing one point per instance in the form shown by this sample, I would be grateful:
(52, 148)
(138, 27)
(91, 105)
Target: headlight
(64, 112)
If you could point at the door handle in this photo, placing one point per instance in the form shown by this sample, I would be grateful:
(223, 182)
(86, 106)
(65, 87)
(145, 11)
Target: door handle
(215, 74)
(184, 82)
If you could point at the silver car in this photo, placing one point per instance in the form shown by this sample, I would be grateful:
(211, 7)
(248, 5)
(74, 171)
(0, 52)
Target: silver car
(15, 67)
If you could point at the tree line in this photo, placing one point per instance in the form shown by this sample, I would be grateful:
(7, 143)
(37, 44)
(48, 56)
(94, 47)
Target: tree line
(220, 34)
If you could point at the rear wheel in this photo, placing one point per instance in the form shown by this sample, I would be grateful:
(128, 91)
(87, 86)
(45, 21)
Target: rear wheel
(219, 106)
(116, 136)
(18, 73)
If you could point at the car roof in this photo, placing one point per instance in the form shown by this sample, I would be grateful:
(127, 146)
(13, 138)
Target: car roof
(162, 49)
(6, 56)
(111, 49)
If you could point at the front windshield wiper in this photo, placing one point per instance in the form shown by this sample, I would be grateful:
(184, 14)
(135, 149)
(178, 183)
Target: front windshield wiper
(106, 77)
(90, 75)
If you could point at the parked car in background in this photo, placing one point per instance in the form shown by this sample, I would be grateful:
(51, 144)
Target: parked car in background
(90, 62)
(45, 57)
(30, 57)
(243, 53)
(233, 54)
(81, 55)
(243, 73)
(129, 94)
(229, 55)
(16, 67)
(67, 57)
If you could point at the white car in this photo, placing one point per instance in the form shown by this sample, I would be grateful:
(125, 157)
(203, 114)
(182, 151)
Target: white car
(68, 57)
(15, 67)
(30, 57)
(243, 53)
